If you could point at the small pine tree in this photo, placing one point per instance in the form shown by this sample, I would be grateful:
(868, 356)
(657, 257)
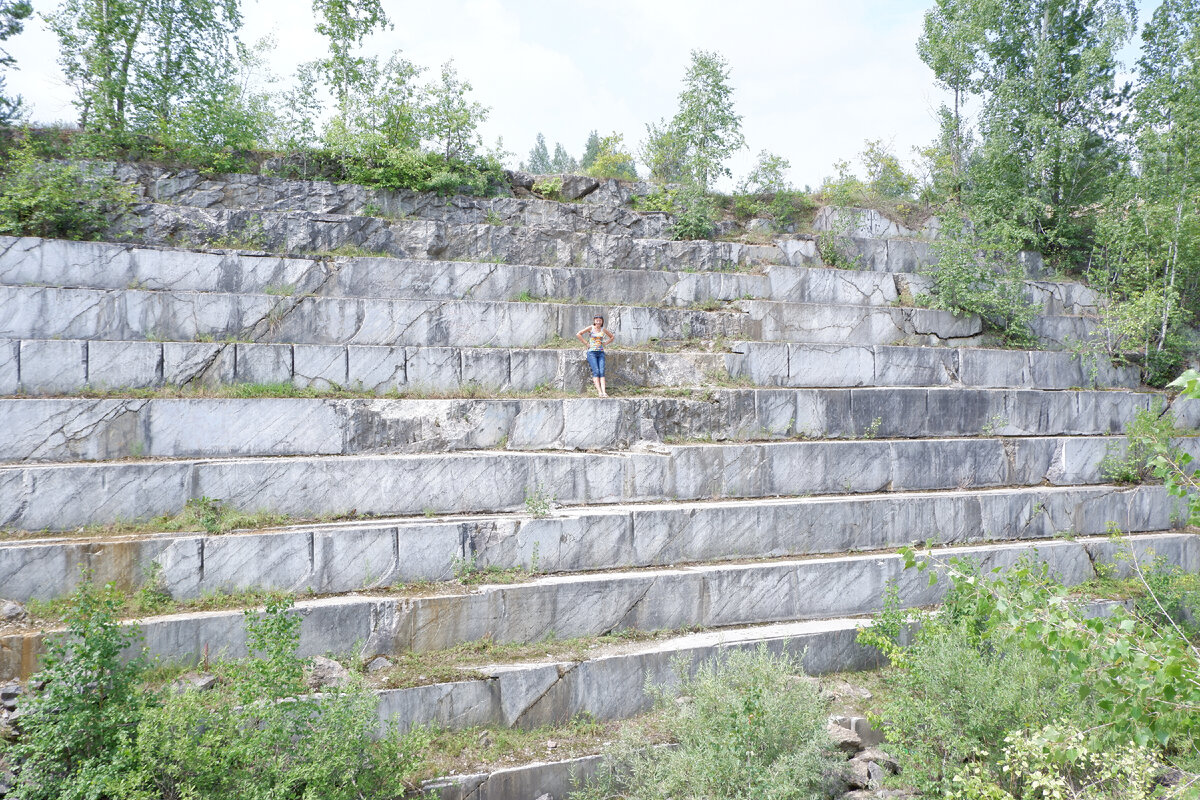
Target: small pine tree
(590, 151)
(562, 160)
(539, 158)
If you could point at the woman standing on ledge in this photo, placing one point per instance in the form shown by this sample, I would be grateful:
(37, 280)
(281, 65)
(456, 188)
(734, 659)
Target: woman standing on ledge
(598, 337)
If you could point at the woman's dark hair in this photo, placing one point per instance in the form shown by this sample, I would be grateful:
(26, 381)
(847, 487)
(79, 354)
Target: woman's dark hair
(598, 317)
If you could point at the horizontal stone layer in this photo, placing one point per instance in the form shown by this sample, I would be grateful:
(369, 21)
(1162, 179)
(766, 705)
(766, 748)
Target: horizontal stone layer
(62, 366)
(304, 232)
(596, 604)
(64, 496)
(266, 193)
(345, 557)
(524, 782)
(58, 313)
(606, 686)
(50, 313)
(99, 429)
(104, 265)
(59, 366)
(817, 365)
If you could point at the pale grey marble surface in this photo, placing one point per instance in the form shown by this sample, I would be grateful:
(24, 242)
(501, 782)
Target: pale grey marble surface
(344, 557)
(69, 429)
(709, 595)
(63, 496)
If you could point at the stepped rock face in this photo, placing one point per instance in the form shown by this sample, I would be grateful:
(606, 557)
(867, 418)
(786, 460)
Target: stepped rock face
(398, 372)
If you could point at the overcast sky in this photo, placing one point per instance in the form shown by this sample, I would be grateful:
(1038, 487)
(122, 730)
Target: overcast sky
(812, 79)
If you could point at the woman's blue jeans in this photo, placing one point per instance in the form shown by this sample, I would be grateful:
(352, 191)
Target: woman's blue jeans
(596, 362)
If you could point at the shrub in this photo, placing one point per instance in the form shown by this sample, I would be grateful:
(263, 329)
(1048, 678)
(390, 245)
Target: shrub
(76, 732)
(428, 172)
(1147, 434)
(59, 200)
(973, 276)
(255, 738)
(694, 213)
(1056, 762)
(612, 160)
(747, 727)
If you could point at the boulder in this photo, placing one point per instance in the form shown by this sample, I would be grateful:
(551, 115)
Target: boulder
(378, 664)
(324, 671)
(13, 613)
(519, 180)
(576, 187)
(193, 682)
(844, 739)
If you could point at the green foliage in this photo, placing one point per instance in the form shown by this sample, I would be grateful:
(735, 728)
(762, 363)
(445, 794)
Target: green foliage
(888, 187)
(1056, 762)
(1045, 73)
(13, 14)
(539, 502)
(539, 157)
(951, 699)
(562, 161)
(747, 727)
(767, 176)
(1147, 435)
(432, 172)
(694, 215)
(549, 188)
(1173, 466)
(251, 739)
(834, 253)
(54, 199)
(612, 160)
(706, 124)
(591, 150)
(77, 730)
(664, 152)
(345, 23)
(1120, 678)
(449, 120)
(978, 275)
(133, 62)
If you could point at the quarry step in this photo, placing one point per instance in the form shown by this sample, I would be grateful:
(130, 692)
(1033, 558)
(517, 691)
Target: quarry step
(65, 366)
(100, 429)
(103, 265)
(593, 604)
(187, 187)
(342, 557)
(529, 781)
(611, 686)
(31, 312)
(305, 233)
(66, 496)
(817, 365)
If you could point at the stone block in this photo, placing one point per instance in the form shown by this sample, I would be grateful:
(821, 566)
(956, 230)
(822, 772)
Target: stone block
(50, 366)
(10, 363)
(205, 363)
(996, 368)
(433, 368)
(529, 369)
(263, 363)
(486, 367)
(375, 369)
(319, 366)
(915, 366)
(830, 365)
(134, 365)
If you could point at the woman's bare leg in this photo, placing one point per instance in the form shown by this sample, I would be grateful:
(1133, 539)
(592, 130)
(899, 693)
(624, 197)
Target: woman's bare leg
(599, 384)
(601, 387)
